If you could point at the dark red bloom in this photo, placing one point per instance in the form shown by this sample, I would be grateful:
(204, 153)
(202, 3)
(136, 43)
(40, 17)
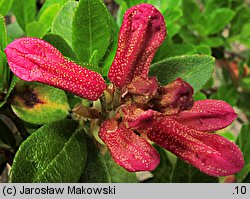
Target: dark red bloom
(33, 59)
(144, 110)
(142, 32)
(167, 115)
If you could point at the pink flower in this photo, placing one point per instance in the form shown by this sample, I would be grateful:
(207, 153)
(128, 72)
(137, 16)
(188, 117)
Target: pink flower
(165, 115)
(144, 110)
(33, 59)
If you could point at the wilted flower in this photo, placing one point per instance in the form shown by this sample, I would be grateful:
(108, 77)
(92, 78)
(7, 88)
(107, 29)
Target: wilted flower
(144, 110)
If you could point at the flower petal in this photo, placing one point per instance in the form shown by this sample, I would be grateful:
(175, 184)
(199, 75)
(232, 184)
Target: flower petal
(143, 89)
(142, 32)
(128, 149)
(211, 153)
(174, 97)
(137, 118)
(207, 115)
(33, 59)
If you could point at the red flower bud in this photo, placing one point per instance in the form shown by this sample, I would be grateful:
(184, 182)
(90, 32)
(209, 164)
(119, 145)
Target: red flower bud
(33, 59)
(142, 32)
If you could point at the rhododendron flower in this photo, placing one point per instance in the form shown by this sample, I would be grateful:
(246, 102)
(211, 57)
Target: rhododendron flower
(144, 109)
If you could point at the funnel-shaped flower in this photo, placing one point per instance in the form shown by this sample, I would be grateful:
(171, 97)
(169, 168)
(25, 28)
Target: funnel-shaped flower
(142, 32)
(167, 115)
(145, 110)
(33, 59)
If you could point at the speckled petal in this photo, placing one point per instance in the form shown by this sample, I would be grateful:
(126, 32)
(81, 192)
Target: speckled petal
(207, 115)
(175, 97)
(137, 118)
(33, 59)
(211, 153)
(142, 32)
(128, 149)
(143, 89)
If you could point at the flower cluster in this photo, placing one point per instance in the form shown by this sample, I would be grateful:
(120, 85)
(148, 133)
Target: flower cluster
(145, 111)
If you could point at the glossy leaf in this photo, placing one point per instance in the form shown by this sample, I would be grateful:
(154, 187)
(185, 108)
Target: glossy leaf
(49, 3)
(91, 29)
(14, 31)
(54, 153)
(96, 170)
(243, 141)
(24, 11)
(101, 168)
(162, 173)
(185, 173)
(4, 73)
(62, 23)
(39, 104)
(36, 29)
(5, 6)
(218, 20)
(49, 14)
(225, 93)
(3, 35)
(60, 44)
(195, 69)
(117, 173)
(191, 11)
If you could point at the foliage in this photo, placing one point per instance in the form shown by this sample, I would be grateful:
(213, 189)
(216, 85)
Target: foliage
(207, 45)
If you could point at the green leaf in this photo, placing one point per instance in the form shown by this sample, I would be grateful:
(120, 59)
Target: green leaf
(25, 11)
(5, 6)
(191, 11)
(195, 69)
(228, 135)
(117, 173)
(60, 44)
(6, 136)
(177, 50)
(162, 173)
(4, 73)
(39, 104)
(3, 35)
(203, 49)
(91, 29)
(243, 142)
(240, 19)
(187, 35)
(213, 41)
(218, 20)
(243, 102)
(121, 11)
(94, 58)
(247, 179)
(212, 5)
(62, 23)
(49, 3)
(199, 96)
(172, 15)
(102, 169)
(49, 14)
(14, 31)
(161, 5)
(54, 153)
(96, 170)
(225, 93)
(36, 29)
(111, 51)
(186, 173)
(11, 87)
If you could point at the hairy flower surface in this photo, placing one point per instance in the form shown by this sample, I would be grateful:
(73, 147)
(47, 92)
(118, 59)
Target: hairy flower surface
(33, 59)
(144, 109)
(166, 115)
